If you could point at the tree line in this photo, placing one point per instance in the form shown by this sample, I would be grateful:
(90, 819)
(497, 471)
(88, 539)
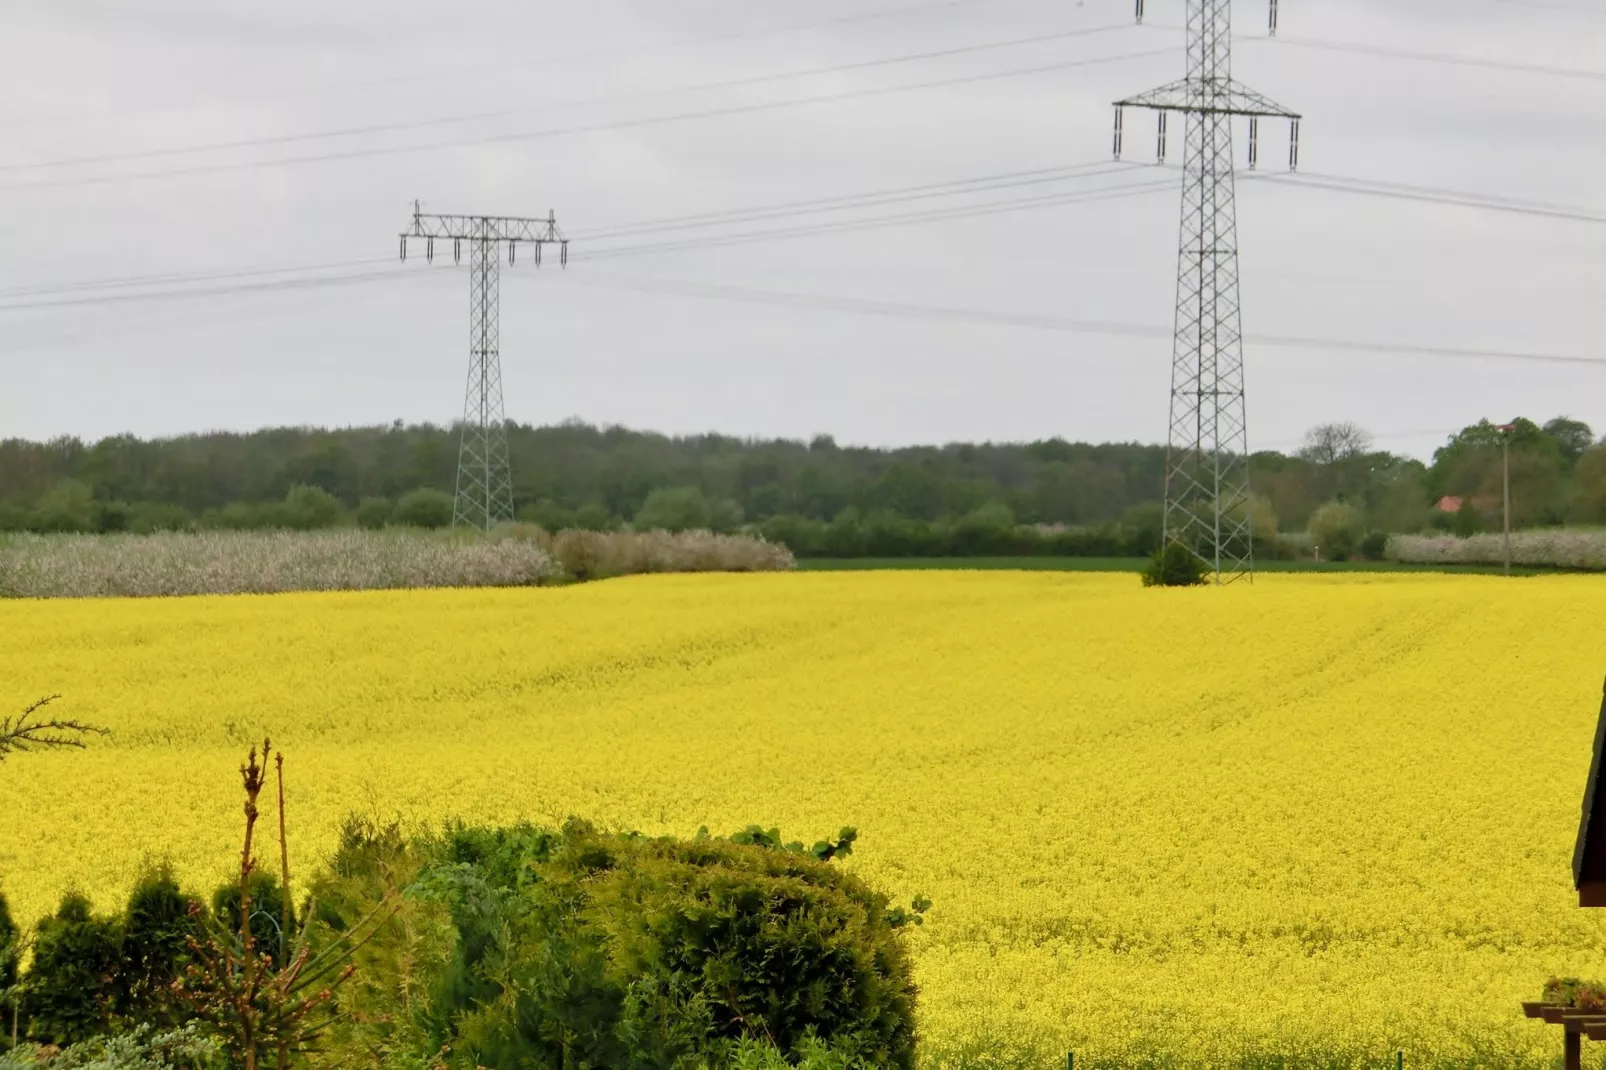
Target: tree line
(1050, 496)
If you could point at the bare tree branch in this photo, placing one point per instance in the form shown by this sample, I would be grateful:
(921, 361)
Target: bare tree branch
(1331, 443)
(29, 731)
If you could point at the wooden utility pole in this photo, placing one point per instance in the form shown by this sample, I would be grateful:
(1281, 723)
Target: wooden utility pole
(1505, 464)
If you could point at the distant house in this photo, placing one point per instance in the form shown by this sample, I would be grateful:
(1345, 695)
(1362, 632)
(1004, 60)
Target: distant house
(1449, 504)
(1589, 857)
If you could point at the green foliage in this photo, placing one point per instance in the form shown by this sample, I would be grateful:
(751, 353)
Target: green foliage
(811, 1053)
(1336, 530)
(674, 509)
(1174, 565)
(1573, 992)
(309, 508)
(244, 516)
(68, 506)
(530, 948)
(982, 533)
(1374, 547)
(71, 992)
(1589, 503)
(146, 518)
(374, 513)
(267, 911)
(828, 500)
(424, 508)
(90, 974)
(1572, 437)
(10, 947)
(142, 1048)
(157, 928)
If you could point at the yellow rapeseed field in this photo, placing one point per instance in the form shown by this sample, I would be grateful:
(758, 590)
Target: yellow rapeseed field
(1320, 818)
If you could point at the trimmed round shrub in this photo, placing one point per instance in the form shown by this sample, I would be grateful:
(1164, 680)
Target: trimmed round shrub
(585, 948)
(423, 508)
(71, 994)
(1375, 546)
(1174, 565)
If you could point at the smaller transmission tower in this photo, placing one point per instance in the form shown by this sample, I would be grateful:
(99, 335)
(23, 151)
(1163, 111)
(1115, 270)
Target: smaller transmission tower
(1207, 503)
(484, 478)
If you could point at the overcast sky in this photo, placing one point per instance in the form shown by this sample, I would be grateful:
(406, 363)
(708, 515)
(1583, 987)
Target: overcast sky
(620, 113)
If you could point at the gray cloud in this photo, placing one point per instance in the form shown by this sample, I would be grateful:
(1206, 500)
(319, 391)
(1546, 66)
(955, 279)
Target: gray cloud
(90, 78)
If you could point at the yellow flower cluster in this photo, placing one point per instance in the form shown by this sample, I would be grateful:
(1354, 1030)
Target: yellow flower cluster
(1321, 818)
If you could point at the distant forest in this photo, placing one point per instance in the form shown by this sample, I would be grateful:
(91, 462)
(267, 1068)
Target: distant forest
(576, 475)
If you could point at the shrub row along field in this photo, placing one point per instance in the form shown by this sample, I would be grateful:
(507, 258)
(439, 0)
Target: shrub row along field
(1582, 549)
(174, 563)
(1320, 818)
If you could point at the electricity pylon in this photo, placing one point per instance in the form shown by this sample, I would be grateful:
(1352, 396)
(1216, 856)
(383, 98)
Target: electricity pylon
(484, 478)
(1207, 502)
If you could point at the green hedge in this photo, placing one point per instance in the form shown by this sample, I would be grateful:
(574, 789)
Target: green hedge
(528, 948)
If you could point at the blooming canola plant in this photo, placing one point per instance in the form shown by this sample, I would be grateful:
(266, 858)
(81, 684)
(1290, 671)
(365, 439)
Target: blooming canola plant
(1320, 818)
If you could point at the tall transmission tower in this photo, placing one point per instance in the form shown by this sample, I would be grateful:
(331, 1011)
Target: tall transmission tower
(1207, 502)
(484, 478)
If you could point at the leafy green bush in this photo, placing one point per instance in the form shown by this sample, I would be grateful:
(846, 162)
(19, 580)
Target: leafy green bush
(10, 941)
(310, 508)
(1375, 546)
(675, 509)
(157, 929)
(267, 911)
(1468, 520)
(374, 513)
(1174, 565)
(141, 1048)
(1336, 530)
(424, 508)
(10, 967)
(71, 990)
(1573, 992)
(68, 506)
(149, 517)
(530, 948)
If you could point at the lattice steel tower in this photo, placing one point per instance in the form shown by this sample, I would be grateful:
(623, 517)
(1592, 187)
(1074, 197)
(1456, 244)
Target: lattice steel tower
(484, 478)
(1207, 503)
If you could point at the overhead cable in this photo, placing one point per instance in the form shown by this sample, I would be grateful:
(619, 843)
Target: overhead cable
(483, 68)
(956, 314)
(580, 128)
(647, 94)
(1444, 58)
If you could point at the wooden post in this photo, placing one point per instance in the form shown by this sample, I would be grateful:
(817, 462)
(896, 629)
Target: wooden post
(1574, 1051)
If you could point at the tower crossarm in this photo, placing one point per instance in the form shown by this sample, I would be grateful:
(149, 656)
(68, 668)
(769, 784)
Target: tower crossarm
(1209, 96)
(485, 228)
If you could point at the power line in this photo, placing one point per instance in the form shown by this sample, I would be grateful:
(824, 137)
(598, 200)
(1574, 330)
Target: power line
(481, 68)
(1445, 58)
(453, 120)
(871, 198)
(876, 197)
(879, 222)
(271, 286)
(1552, 6)
(955, 314)
(1433, 195)
(865, 199)
(584, 128)
(134, 281)
(894, 195)
(939, 314)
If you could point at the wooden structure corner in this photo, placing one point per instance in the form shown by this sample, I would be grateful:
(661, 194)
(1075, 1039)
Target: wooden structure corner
(1589, 856)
